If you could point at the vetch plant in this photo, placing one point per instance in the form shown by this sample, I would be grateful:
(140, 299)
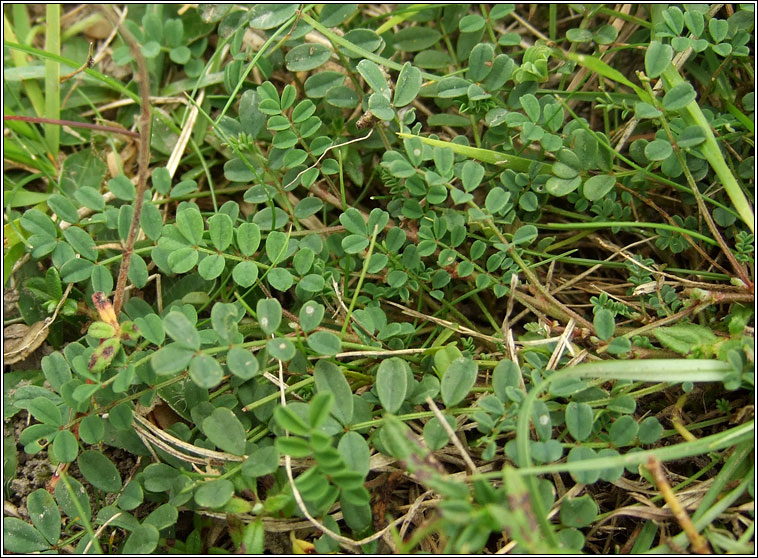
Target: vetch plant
(388, 278)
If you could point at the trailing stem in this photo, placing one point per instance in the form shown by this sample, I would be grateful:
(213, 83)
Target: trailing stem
(143, 156)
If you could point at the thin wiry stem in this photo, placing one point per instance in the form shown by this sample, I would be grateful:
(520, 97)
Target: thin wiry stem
(143, 154)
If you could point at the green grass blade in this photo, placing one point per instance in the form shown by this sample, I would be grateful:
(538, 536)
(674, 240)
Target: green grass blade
(601, 68)
(52, 77)
(520, 164)
(694, 116)
(44, 55)
(31, 87)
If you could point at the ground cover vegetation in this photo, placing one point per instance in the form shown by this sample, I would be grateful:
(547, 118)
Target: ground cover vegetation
(378, 278)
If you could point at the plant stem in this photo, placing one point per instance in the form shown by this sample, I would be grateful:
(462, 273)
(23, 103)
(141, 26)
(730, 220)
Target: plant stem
(143, 156)
(73, 124)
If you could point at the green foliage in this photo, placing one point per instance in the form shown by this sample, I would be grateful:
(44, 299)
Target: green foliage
(362, 212)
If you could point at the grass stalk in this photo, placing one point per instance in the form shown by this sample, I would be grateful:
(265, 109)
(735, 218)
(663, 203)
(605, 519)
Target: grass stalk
(52, 77)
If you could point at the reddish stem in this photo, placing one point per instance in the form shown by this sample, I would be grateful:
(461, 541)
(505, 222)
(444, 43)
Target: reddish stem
(72, 123)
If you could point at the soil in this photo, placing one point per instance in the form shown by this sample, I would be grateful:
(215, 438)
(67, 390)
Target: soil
(34, 471)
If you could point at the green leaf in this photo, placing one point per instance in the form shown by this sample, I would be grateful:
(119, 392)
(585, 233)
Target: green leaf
(644, 110)
(242, 363)
(604, 324)
(276, 246)
(497, 199)
(64, 497)
(685, 338)
(158, 477)
(579, 420)
(392, 383)
(458, 380)
(619, 346)
(624, 404)
(285, 140)
(319, 408)
(291, 421)
(122, 188)
(525, 235)
(151, 328)
(99, 471)
(307, 207)
(44, 513)
(444, 356)
(471, 175)
(224, 429)
(578, 512)
(414, 39)
(718, 28)
(76, 270)
(268, 16)
(531, 107)
(650, 431)
(380, 107)
(92, 429)
(294, 447)
(56, 369)
(354, 222)
(269, 312)
(214, 494)
(623, 431)
(375, 78)
(131, 497)
(307, 57)
(45, 411)
(332, 15)
(65, 447)
(356, 452)
(280, 279)
(658, 150)
(657, 58)
(205, 371)
(329, 378)
(262, 461)
(254, 533)
(324, 343)
(36, 222)
(598, 186)
(81, 242)
(171, 359)
(679, 96)
(577, 455)
(310, 315)
(162, 517)
(562, 186)
(22, 538)
(245, 274)
(190, 224)
(138, 274)
(224, 320)
(691, 136)
(161, 180)
(183, 260)
(221, 229)
(236, 170)
(211, 266)
(408, 85)
(143, 540)
(180, 54)
(435, 435)
(319, 84)
(181, 330)
(354, 243)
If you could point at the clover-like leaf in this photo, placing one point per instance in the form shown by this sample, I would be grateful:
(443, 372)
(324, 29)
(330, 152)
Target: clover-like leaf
(224, 429)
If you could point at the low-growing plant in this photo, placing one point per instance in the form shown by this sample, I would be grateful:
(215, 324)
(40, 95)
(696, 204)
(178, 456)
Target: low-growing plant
(387, 278)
